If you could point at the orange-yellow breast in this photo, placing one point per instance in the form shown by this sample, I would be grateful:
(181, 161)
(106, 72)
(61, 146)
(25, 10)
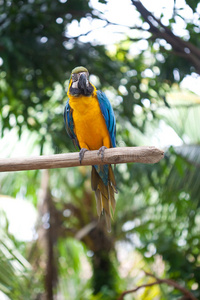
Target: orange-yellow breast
(90, 127)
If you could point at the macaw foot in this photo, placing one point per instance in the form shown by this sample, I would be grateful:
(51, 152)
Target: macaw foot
(101, 151)
(81, 154)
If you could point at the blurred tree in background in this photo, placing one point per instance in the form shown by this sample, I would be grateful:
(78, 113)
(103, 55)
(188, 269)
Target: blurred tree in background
(157, 219)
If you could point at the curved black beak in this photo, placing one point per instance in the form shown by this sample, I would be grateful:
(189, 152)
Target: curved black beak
(82, 84)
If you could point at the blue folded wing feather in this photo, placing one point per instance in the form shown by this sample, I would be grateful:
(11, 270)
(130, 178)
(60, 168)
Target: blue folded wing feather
(69, 124)
(109, 116)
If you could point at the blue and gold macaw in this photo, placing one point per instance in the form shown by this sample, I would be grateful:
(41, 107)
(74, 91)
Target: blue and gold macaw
(90, 123)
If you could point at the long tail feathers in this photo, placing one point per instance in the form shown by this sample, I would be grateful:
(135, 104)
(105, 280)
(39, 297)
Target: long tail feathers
(104, 195)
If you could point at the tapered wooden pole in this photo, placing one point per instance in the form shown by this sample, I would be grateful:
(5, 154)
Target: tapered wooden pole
(147, 155)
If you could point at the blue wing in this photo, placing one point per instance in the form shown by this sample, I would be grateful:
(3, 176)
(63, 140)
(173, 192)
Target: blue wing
(69, 124)
(109, 116)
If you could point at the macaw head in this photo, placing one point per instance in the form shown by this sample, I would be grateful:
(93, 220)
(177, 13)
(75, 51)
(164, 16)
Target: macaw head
(79, 82)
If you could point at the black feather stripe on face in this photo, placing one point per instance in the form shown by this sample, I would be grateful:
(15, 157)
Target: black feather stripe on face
(85, 92)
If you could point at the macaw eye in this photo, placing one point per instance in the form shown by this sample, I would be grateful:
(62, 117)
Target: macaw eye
(74, 77)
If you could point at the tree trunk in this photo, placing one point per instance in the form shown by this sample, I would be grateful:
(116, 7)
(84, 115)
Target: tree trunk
(104, 273)
(48, 237)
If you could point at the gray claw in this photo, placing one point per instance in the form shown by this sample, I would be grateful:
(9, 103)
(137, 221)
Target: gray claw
(101, 151)
(81, 154)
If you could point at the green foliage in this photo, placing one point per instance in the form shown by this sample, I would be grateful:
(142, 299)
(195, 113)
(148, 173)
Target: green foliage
(16, 274)
(36, 57)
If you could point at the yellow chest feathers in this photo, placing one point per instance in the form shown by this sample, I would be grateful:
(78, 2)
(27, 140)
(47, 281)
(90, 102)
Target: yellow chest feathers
(90, 127)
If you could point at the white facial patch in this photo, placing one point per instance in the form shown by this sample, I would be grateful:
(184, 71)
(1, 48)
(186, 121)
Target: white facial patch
(75, 84)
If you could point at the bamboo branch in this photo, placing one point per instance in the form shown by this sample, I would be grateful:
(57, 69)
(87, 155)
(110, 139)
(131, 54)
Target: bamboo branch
(137, 288)
(148, 155)
(169, 282)
(175, 284)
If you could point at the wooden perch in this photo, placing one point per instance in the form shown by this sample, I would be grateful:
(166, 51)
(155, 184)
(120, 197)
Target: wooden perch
(147, 155)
